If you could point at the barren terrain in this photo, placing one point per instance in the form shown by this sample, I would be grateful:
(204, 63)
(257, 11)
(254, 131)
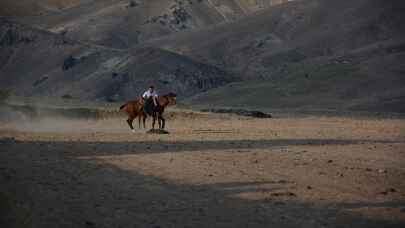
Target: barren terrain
(212, 170)
(330, 72)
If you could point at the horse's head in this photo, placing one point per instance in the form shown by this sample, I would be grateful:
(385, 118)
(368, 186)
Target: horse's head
(171, 97)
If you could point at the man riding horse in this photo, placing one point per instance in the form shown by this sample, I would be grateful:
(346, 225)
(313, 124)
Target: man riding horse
(150, 104)
(150, 100)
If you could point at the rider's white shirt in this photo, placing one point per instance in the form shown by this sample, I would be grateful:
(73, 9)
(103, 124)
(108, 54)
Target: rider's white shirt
(148, 94)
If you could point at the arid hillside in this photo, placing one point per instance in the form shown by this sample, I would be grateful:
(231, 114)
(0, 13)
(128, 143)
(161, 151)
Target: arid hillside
(305, 54)
(309, 54)
(124, 23)
(35, 7)
(39, 63)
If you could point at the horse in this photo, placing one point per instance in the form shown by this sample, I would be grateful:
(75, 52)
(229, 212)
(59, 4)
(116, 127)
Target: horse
(135, 109)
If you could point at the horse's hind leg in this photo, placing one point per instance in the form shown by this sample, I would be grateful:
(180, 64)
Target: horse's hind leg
(144, 120)
(163, 121)
(139, 121)
(129, 121)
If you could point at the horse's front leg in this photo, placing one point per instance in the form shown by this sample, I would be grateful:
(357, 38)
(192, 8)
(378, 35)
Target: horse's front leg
(162, 120)
(153, 122)
(139, 120)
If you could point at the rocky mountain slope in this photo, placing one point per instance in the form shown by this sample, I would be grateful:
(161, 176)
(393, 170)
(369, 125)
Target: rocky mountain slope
(36, 62)
(309, 54)
(304, 54)
(124, 23)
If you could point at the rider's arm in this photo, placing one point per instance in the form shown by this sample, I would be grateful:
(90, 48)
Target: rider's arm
(155, 96)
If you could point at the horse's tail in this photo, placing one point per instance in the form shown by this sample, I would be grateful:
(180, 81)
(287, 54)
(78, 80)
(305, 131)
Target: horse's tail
(123, 106)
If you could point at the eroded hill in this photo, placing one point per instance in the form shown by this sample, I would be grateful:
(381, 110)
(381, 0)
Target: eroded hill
(125, 23)
(35, 62)
(306, 54)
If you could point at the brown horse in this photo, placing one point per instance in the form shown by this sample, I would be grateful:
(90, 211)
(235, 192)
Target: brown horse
(135, 109)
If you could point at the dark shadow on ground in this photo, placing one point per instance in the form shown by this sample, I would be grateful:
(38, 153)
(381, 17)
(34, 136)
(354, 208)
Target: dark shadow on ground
(81, 148)
(60, 190)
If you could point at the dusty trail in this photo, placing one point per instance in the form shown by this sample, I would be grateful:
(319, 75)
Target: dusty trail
(211, 171)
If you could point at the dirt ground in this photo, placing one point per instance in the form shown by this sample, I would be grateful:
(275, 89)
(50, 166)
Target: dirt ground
(211, 171)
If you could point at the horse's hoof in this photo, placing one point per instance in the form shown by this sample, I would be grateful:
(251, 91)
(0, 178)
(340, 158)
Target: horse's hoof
(133, 131)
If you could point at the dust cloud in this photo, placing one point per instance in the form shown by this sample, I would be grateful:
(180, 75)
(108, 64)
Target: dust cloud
(38, 119)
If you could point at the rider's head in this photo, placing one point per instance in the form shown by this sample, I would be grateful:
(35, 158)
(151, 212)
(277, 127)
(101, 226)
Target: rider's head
(151, 88)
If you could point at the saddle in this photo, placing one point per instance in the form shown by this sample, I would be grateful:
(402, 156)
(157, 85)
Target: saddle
(149, 107)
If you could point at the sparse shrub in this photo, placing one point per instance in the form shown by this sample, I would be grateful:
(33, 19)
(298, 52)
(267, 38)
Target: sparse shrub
(39, 81)
(133, 3)
(69, 62)
(111, 99)
(67, 96)
(9, 38)
(12, 37)
(164, 82)
(4, 94)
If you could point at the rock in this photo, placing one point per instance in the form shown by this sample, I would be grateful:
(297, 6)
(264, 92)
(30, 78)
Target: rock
(330, 161)
(282, 182)
(384, 193)
(402, 210)
(157, 131)
(392, 190)
(89, 223)
(309, 187)
(283, 194)
(382, 171)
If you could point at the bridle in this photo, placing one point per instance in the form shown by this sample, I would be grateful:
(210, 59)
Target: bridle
(169, 100)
